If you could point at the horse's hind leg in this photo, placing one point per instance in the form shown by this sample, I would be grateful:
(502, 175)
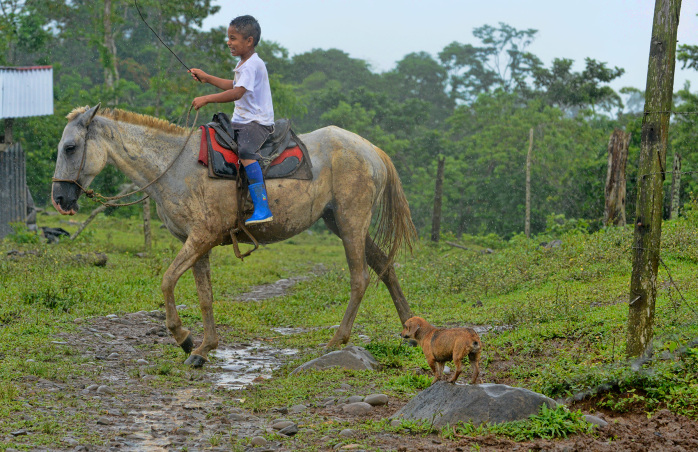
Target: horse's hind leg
(378, 260)
(187, 256)
(352, 229)
(202, 276)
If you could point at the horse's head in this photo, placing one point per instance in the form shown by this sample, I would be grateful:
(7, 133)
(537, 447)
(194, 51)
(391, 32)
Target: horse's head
(80, 159)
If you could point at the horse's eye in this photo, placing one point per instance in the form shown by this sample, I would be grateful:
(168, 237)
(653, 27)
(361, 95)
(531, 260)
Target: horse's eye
(69, 148)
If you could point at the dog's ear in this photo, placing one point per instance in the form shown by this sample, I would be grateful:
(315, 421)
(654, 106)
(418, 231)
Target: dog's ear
(414, 329)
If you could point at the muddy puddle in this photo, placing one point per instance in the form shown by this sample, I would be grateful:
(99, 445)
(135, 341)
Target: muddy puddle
(242, 364)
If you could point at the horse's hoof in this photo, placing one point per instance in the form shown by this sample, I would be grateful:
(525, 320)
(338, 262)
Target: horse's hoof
(195, 361)
(187, 345)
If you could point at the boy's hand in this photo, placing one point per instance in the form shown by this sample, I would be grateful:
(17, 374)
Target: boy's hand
(198, 75)
(199, 102)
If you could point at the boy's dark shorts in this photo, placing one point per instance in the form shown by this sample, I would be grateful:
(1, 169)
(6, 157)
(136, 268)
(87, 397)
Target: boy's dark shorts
(250, 137)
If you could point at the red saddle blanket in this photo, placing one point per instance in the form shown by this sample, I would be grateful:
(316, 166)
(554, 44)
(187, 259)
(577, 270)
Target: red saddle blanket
(225, 163)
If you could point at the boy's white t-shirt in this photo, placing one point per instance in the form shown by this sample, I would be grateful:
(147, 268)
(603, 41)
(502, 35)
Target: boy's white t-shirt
(255, 105)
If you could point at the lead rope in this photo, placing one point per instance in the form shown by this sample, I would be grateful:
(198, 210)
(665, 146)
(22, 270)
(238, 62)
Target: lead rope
(104, 200)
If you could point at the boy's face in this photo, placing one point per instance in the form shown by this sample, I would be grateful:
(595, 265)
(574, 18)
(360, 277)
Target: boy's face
(238, 44)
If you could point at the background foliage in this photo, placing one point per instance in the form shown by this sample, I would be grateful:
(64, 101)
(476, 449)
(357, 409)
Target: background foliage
(472, 103)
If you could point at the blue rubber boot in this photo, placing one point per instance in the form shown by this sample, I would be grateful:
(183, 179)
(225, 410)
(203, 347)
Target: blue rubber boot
(261, 214)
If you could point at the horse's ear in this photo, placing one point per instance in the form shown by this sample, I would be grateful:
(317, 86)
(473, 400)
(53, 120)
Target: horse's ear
(86, 118)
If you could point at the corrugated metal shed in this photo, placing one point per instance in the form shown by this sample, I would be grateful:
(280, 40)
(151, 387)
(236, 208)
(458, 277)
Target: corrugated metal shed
(26, 91)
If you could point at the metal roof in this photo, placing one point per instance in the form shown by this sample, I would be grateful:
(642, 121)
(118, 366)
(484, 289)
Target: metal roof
(26, 91)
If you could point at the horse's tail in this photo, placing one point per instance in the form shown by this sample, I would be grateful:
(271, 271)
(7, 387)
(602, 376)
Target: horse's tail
(395, 230)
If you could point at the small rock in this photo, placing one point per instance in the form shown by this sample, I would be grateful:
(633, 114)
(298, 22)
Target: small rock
(347, 433)
(290, 430)
(279, 425)
(595, 420)
(104, 421)
(297, 409)
(104, 389)
(259, 441)
(344, 386)
(355, 398)
(111, 316)
(395, 423)
(18, 433)
(92, 388)
(181, 307)
(78, 320)
(352, 447)
(376, 399)
(113, 356)
(357, 408)
(236, 417)
(142, 362)
(30, 361)
(70, 441)
(59, 342)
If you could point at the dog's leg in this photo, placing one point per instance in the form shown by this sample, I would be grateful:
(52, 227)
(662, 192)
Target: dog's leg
(435, 370)
(459, 352)
(474, 358)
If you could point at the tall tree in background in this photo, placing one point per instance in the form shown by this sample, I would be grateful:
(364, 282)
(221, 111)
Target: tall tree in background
(568, 90)
(500, 62)
(652, 167)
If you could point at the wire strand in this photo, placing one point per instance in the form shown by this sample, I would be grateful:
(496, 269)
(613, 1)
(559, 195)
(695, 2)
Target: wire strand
(135, 2)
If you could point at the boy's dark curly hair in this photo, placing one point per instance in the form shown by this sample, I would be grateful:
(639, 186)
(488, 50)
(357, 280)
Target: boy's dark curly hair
(247, 26)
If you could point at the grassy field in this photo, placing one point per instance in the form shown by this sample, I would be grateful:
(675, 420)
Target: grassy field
(558, 315)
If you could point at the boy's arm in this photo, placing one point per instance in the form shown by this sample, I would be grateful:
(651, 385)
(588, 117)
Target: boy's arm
(230, 95)
(220, 83)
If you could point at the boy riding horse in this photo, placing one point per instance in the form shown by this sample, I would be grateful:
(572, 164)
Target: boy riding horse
(253, 117)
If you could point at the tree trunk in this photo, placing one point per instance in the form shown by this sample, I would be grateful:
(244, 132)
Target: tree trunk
(146, 225)
(9, 138)
(111, 73)
(614, 213)
(650, 196)
(438, 194)
(675, 187)
(527, 222)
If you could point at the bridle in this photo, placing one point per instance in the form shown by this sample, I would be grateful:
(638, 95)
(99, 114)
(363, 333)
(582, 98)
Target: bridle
(105, 200)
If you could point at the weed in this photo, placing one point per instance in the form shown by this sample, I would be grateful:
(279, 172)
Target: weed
(550, 423)
(409, 383)
(8, 392)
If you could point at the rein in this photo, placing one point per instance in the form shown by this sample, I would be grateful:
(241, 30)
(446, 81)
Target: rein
(105, 200)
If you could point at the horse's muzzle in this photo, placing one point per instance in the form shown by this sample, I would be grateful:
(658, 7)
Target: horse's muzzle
(64, 196)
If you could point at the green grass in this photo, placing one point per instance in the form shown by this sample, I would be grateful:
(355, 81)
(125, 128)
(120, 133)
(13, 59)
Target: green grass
(558, 315)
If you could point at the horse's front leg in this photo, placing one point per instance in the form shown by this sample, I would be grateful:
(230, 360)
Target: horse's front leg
(187, 256)
(202, 276)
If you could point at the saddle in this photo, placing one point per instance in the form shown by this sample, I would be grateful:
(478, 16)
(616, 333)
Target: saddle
(284, 155)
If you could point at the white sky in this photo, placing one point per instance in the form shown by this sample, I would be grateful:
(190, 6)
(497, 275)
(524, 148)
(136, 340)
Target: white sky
(383, 31)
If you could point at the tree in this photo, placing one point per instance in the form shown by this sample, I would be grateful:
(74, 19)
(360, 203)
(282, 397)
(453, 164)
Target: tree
(500, 62)
(570, 91)
(648, 220)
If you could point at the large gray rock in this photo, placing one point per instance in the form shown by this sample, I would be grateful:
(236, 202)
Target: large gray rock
(445, 403)
(351, 357)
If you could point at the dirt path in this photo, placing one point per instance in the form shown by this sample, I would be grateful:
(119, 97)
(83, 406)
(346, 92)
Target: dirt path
(129, 403)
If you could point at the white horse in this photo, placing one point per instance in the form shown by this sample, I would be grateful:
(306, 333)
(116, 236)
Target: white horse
(351, 177)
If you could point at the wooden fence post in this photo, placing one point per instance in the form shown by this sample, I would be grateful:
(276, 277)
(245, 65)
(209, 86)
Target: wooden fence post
(527, 221)
(651, 172)
(675, 187)
(146, 225)
(614, 212)
(438, 195)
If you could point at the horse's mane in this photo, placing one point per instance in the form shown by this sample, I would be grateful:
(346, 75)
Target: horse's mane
(132, 118)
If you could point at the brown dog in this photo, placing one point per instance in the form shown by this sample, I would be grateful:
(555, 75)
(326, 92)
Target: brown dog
(445, 344)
